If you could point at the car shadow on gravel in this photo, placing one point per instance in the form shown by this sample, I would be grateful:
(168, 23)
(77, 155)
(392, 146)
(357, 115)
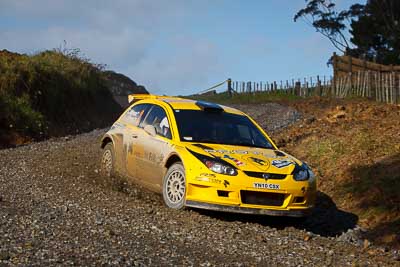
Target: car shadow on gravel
(325, 220)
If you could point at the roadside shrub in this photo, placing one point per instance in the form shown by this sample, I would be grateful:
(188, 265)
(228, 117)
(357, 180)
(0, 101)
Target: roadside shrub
(53, 92)
(17, 114)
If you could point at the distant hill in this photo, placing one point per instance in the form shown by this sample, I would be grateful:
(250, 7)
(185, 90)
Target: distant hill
(55, 93)
(121, 86)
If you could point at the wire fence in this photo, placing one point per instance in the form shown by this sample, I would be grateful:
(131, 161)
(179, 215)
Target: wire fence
(300, 87)
(379, 86)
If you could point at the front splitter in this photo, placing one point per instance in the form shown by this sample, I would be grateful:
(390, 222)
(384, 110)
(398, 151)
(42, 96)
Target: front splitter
(245, 210)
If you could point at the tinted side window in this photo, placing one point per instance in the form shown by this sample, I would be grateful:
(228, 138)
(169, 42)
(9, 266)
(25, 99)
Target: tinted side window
(158, 118)
(136, 114)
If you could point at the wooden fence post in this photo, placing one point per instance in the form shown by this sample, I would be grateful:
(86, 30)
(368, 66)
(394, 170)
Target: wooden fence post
(364, 71)
(287, 86)
(392, 91)
(351, 71)
(293, 91)
(398, 92)
(335, 73)
(230, 87)
(376, 86)
(297, 88)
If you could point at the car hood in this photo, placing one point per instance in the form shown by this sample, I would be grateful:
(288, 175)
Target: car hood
(248, 158)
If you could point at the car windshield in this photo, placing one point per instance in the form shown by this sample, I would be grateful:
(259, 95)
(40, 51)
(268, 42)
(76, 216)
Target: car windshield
(219, 128)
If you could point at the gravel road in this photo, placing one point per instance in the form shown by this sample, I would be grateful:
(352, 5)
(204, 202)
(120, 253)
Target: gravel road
(55, 209)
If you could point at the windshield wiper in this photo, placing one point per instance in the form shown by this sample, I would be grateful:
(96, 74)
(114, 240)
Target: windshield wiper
(249, 145)
(211, 141)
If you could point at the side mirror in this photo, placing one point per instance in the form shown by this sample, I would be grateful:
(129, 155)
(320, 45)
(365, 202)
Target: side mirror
(150, 129)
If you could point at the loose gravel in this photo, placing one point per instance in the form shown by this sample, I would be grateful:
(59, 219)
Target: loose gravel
(56, 209)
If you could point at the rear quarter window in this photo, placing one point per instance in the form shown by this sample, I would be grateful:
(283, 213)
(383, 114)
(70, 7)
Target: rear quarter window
(158, 118)
(135, 115)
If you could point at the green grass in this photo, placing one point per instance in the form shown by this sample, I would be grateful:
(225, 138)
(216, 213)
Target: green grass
(326, 151)
(376, 184)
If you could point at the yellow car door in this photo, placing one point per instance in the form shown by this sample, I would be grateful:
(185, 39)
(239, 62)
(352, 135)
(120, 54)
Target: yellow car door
(153, 142)
(132, 119)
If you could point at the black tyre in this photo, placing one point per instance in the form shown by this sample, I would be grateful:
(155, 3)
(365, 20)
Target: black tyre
(107, 163)
(174, 186)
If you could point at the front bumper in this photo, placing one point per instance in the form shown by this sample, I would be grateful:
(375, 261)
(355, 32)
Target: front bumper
(245, 210)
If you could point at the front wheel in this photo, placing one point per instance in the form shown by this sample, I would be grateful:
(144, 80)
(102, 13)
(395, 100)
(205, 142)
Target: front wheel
(174, 186)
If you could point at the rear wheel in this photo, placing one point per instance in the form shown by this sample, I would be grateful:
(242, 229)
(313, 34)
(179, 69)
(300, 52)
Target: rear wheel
(174, 186)
(107, 161)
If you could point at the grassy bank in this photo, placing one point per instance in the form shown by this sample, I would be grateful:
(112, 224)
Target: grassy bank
(246, 98)
(51, 93)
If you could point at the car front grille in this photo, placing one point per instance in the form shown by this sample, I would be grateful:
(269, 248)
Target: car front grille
(262, 198)
(265, 175)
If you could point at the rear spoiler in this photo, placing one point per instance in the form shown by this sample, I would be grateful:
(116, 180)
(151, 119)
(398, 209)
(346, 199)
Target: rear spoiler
(136, 97)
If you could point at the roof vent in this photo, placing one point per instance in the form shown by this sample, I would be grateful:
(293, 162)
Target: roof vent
(209, 107)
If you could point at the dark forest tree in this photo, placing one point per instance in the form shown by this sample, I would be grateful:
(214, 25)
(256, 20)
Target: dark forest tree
(374, 27)
(376, 33)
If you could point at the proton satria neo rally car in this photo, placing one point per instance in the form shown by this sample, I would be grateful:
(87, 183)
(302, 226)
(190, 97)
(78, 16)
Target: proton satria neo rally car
(204, 155)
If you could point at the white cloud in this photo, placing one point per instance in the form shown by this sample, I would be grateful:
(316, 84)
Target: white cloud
(111, 48)
(187, 69)
(119, 33)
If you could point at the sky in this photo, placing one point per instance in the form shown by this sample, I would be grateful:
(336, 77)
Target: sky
(174, 47)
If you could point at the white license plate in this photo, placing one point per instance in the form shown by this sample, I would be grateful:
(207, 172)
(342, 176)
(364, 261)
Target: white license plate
(266, 186)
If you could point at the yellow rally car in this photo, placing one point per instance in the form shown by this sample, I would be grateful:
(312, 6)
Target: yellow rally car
(204, 155)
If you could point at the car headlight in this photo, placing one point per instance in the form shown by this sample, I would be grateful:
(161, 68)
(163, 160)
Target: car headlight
(216, 165)
(303, 173)
(220, 168)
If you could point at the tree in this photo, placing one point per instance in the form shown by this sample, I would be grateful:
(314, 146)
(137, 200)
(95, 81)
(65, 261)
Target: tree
(376, 32)
(322, 15)
(374, 28)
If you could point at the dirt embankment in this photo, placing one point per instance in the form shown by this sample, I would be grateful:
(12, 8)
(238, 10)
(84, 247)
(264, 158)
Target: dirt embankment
(55, 209)
(354, 146)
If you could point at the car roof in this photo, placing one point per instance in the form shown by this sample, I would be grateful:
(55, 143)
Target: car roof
(180, 103)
